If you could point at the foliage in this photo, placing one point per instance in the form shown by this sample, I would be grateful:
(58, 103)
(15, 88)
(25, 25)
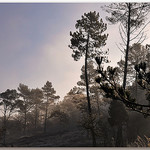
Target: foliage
(87, 40)
(49, 92)
(131, 15)
(49, 97)
(137, 53)
(90, 25)
(25, 103)
(60, 114)
(91, 74)
(114, 91)
(77, 98)
(9, 101)
(36, 96)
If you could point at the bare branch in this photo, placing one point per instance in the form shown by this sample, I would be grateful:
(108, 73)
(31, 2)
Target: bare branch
(123, 39)
(140, 31)
(120, 48)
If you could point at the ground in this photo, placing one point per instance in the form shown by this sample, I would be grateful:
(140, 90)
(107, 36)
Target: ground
(64, 139)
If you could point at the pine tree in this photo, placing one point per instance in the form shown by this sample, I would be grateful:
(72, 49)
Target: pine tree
(25, 103)
(50, 97)
(94, 92)
(87, 41)
(137, 54)
(131, 17)
(36, 96)
(8, 102)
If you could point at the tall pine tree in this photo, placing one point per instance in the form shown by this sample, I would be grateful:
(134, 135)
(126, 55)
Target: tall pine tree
(87, 40)
(50, 97)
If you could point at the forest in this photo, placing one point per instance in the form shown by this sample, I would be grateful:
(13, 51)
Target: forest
(108, 107)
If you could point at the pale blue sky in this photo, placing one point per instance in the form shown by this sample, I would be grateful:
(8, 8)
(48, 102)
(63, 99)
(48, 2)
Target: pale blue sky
(34, 41)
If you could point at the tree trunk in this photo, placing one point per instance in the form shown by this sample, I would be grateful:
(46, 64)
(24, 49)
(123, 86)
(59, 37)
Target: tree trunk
(25, 122)
(125, 69)
(127, 46)
(97, 100)
(136, 87)
(87, 91)
(4, 130)
(25, 118)
(45, 122)
(35, 122)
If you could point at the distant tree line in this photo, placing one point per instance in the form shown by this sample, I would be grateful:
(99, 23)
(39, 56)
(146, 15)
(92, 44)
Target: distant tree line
(30, 107)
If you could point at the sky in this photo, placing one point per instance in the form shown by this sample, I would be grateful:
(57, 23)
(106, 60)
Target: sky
(34, 41)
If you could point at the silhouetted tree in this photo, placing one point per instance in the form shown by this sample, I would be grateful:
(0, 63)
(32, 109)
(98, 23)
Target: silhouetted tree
(36, 96)
(131, 17)
(50, 97)
(87, 41)
(93, 92)
(8, 103)
(115, 91)
(25, 103)
(137, 54)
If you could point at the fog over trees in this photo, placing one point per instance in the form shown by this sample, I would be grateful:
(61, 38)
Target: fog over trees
(108, 106)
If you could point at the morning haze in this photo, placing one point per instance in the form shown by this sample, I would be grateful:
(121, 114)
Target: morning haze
(74, 75)
(34, 43)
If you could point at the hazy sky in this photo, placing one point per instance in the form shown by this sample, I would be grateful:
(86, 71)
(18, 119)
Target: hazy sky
(34, 41)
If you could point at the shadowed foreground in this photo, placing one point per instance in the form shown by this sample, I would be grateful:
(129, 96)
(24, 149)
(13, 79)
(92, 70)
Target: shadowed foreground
(64, 139)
